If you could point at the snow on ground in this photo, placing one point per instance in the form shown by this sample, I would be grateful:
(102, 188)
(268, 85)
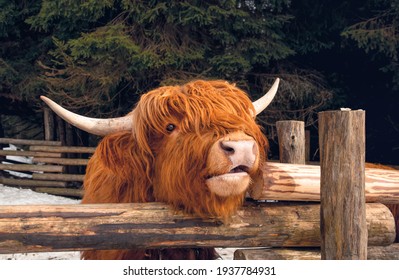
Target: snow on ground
(17, 196)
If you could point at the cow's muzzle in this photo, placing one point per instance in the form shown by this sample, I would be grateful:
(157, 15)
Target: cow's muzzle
(230, 162)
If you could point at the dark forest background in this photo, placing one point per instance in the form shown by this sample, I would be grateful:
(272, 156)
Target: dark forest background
(96, 57)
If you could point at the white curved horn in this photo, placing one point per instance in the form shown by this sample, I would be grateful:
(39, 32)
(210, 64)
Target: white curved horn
(95, 126)
(265, 100)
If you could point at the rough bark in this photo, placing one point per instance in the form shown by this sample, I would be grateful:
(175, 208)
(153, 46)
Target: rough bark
(342, 185)
(154, 225)
(289, 182)
(390, 252)
(291, 138)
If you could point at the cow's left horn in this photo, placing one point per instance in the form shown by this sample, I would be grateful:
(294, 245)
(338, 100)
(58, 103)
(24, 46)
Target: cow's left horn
(95, 126)
(265, 100)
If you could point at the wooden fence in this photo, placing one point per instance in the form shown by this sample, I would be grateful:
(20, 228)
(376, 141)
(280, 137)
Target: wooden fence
(369, 228)
(54, 169)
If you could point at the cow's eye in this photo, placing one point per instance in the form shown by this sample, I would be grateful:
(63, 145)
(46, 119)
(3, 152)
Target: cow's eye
(170, 127)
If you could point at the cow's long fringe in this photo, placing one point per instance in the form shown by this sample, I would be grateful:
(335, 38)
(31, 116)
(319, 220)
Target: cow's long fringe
(151, 163)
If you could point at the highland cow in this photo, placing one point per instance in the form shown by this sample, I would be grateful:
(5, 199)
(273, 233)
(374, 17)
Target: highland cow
(196, 146)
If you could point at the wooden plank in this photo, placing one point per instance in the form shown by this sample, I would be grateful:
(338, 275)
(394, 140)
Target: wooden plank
(77, 193)
(29, 154)
(28, 142)
(294, 182)
(63, 161)
(58, 177)
(31, 183)
(390, 252)
(37, 228)
(291, 139)
(342, 185)
(63, 149)
(32, 167)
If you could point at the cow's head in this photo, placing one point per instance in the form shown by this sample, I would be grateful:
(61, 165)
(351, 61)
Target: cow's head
(198, 144)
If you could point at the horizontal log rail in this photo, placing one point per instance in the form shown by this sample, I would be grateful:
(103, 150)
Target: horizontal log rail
(390, 252)
(32, 183)
(153, 225)
(29, 154)
(58, 177)
(292, 182)
(32, 167)
(75, 193)
(29, 142)
(63, 161)
(63, 149)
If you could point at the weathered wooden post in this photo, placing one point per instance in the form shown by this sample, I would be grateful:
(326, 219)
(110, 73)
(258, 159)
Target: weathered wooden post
(2, 157)
(60, 130)
(342, 162)
(48, 120)
(291, 138)
(307, 145)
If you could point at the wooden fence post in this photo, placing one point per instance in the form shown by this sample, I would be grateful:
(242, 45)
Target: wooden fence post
(60, 130)
(48, 120)
(342, 162)
(307, 145)
(291, 138)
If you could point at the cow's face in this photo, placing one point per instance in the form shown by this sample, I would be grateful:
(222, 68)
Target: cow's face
(206, 145)
(198, 145)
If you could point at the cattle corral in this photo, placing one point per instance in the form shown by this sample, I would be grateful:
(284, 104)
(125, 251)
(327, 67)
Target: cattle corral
(48, 167)
(283, 226)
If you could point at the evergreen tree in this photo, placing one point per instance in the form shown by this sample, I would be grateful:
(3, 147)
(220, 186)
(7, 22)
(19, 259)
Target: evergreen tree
(19, 50)
(378, 34)
(128, 47)
(97, 57)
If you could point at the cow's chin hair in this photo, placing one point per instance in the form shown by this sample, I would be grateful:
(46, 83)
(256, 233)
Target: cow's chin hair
(200, 200)
(229, 184)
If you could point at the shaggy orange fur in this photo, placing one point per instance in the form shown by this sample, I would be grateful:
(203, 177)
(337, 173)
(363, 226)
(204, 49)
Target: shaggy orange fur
(151, 163)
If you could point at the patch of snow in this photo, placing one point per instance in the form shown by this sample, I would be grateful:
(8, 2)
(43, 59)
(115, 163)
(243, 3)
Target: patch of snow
(18, 196)
(42, 256)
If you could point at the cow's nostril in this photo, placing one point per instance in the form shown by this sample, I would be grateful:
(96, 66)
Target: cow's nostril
(239, 152)
(228, 149)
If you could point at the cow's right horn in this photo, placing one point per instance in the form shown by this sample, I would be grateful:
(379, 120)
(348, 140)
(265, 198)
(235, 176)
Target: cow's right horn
(95, 126)
(265, 100)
